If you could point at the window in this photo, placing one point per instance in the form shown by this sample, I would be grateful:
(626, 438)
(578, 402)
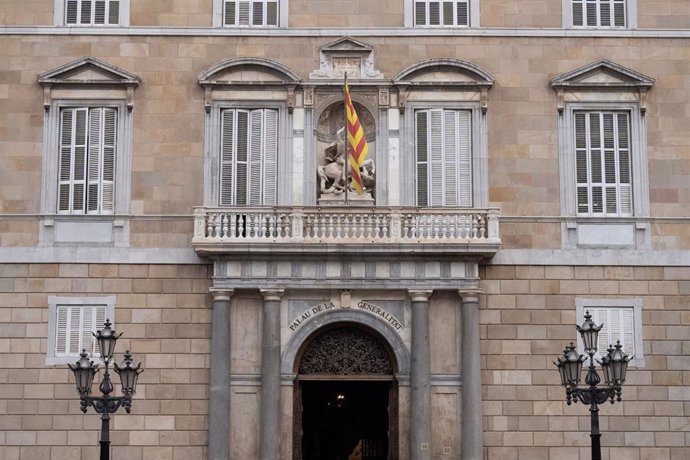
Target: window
(443, 157)
(599, 13)
(602, 151)
(250, 12)
(92, 12)
(441, 13)
(88, 140)
(622, 321)
(72, 323)
(603, 156)
(248, 156)
(87, 145)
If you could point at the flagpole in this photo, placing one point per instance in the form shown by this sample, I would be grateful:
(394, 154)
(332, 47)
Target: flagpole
(347, 143)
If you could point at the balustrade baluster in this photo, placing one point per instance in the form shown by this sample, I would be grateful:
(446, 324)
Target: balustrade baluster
(331, 228)
(241, 226)
(224, 230)
(209, 226)
(482, 227)
(474, 226)
(272, 226)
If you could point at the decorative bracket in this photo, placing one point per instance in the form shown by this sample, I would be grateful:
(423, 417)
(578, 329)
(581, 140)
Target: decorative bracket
(560, 100)
(484, 100)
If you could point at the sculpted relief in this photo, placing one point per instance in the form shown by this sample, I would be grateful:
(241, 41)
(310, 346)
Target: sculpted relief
(331, 148)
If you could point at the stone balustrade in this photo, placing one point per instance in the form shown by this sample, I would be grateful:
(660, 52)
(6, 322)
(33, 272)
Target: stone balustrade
(223, 227)
(218, 229)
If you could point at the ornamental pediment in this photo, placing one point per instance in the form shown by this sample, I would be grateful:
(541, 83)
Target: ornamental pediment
(248, 71)
(88, 71)
(346, 55)
(604, 74)
(444, 72)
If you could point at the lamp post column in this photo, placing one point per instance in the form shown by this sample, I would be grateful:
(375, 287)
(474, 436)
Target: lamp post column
(471, 431)
(420, 377)
(269, 448)
(219, 392)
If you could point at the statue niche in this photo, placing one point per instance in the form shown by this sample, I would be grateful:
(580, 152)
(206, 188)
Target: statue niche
(331, 148)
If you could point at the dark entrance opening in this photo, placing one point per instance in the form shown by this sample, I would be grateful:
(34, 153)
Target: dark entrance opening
(345, 420)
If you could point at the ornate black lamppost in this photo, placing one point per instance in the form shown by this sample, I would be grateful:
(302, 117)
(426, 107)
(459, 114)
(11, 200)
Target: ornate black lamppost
(614, 365)
(84, 371)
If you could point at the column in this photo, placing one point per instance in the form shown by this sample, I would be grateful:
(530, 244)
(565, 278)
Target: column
(269, 448)
(219, 385)
(471, 378)
(420, 378)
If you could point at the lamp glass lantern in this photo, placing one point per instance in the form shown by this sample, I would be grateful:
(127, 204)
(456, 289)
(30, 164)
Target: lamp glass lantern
(84, 371)
(570, 366)
(589, 332)
(106, 338)
(129, 374)
(619, 363)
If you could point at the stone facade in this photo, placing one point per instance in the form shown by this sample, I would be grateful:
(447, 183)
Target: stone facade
(220, 321)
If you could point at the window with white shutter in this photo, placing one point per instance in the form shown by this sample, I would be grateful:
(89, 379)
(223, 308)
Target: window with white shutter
(602, 156)
(248, 156)
(622, 321)
(443, 157)
(87, 155)
(92, 12)
(599, 13)
(72, 321)
(250, 13)
(442, 13)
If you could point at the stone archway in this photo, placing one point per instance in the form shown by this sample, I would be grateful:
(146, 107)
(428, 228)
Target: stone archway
(346, 396)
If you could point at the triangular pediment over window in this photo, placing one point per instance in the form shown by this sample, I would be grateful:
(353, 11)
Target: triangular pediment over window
(88, 71)
(602, 74)
(346, 55)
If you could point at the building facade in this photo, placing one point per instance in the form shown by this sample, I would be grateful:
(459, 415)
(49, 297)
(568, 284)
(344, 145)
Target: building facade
(176, 167)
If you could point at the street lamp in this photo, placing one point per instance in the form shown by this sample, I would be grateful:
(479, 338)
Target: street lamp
(614, 366)
(84, 371)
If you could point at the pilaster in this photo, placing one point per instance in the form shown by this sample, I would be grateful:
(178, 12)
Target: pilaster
(420, 377)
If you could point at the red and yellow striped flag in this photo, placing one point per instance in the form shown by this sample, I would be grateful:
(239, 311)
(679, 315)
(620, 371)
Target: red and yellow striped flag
(356, 142)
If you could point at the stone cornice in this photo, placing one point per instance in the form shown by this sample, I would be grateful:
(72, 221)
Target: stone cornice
(352, 32)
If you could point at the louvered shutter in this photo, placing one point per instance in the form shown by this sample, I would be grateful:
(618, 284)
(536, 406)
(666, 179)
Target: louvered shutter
(270, 156)
(230, 12)
(618, 326)
(99, 320)
(62, 329)
(257, 13)
(625, 186)
(619, 13)
(227, 157)
(450, 151)
(271, 13)
(71, 12)
(243, 7)
(436, 165)
(464, 130)
(114, 12)
(107, 203)
(85, 11)
(72, 175)
(94, 159)
(99, 12)
(434, 13)
(422, 148)
(420, 13)
(256, 145)
(591, 8)
(582, 171)
(242, 158)
(605, 13)
(75, 327)
(463, 13)
(577, 13)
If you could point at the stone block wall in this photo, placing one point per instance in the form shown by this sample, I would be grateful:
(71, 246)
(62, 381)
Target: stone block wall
(164, 314)
(528, 315)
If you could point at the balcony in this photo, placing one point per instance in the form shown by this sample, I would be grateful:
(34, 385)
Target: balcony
(338, 230)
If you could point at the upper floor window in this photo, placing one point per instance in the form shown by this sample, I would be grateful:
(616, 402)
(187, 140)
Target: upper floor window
(599, 13)
(602, 155)
(441, 13)
(86, 170)
(447, 164)
(249, 146)
(250, 12)
(443, 145)
(92, 12)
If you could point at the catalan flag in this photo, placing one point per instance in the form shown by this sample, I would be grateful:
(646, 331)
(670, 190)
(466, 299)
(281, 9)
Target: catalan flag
(356, 141)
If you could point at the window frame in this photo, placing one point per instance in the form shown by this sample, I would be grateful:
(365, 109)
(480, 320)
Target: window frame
(212, 164)
(473, 12)
(634, 304)
(54, 302)
(478, 154)
(218, 20)
(60, 15)
(630, 17)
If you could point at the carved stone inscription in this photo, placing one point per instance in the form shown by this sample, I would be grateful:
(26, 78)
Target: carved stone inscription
(361, 305)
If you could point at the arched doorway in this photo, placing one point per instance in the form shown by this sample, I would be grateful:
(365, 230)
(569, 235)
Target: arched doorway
(346, 397)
